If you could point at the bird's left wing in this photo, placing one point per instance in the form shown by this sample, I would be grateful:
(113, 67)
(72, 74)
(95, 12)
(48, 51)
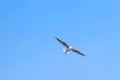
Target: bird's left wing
(78, 52)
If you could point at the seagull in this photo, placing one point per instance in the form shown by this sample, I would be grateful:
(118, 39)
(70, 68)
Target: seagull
(69, 48)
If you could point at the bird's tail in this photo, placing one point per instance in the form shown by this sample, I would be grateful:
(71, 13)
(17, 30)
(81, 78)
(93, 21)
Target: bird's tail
(64, 50)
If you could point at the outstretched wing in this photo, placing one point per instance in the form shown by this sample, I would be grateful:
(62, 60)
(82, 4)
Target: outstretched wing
(63, 43)
(78, 52)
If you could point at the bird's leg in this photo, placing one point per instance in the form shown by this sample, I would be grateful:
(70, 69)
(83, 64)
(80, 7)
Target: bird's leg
(66, 52)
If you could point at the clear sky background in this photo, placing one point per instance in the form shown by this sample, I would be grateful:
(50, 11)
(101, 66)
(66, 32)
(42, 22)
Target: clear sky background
(29, 50)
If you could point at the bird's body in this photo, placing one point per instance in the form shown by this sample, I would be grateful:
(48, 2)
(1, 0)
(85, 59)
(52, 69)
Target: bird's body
(69, 48)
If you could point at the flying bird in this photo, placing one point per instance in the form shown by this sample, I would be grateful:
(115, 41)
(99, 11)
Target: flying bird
(69, 48)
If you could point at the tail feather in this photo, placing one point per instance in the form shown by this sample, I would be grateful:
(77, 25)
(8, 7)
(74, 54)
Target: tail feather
(64, 50)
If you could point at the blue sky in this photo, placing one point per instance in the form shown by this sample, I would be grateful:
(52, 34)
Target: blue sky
(29, 51)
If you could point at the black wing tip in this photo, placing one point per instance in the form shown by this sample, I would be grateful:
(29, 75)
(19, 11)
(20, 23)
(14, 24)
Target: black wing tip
(83, 55)
(56, 38)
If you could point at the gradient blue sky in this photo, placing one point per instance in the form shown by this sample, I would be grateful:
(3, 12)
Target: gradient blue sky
(29, 51)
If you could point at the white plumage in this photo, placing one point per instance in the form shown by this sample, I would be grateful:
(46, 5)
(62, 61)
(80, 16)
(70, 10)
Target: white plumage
(69, 48)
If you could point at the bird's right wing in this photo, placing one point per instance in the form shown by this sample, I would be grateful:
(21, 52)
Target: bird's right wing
(63, 43)
(78, 52)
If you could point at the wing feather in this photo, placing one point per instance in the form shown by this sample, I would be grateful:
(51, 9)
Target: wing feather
(63, 43)
(78, 52)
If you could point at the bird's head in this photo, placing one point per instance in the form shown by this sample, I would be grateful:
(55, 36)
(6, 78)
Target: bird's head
(71, 47)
